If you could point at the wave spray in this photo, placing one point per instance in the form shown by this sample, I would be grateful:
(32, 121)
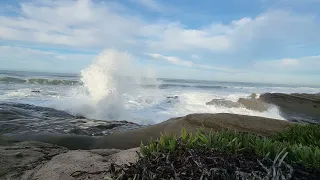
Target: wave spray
(105, 86)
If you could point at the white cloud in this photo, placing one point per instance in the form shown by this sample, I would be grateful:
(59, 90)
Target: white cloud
(175, 37)
(12, 57)
(81, 23)
(302, 64)
(151, 4)
(289, 62)
(194, 56)
(186, 63)
(100, 24)
(275, 28)
(94, 25)
(172, 60)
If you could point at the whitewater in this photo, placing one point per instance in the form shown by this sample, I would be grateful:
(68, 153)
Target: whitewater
(113, 87)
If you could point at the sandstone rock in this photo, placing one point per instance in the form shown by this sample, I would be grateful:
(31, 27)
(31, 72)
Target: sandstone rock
(82, 165)
(254, 104)
(296, 107)
(258, 125)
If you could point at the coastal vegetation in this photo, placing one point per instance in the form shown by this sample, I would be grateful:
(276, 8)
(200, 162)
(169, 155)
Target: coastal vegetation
(291, 154)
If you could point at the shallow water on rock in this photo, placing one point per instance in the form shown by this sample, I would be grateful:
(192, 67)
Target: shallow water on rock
(22, 118)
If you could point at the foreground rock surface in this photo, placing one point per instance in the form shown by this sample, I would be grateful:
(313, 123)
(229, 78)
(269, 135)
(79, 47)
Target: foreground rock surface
(18, 158)
(35, 160)
(83, 164)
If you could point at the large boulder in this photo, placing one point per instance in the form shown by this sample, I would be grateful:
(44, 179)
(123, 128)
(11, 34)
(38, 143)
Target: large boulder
(296, 107)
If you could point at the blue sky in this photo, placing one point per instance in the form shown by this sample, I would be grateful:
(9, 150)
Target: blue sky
(230, 40)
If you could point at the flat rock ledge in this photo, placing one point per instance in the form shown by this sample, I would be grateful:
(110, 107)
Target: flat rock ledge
(82, 164)
(16, 159)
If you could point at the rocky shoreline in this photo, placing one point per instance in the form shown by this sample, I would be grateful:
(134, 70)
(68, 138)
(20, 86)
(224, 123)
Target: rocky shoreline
(39, 160)
(77, 155)
(304, 108)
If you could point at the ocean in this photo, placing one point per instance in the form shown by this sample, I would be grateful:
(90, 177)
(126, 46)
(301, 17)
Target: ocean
(146, 104)
(100, 92)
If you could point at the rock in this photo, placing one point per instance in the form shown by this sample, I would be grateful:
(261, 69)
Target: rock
(35, 91)
(107, 126)
(254, 104)
(129, 139)
(19, 118)
(296, 107)
(132, 138)
(18, 157)
(253, 96)
(173, 97)
(51, 162)
(223, 102)
(82, 165)
(78, 131)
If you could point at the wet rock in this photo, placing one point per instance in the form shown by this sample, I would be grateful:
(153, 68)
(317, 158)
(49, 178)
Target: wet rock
(223, 102)
(296, 107)
(78, 131)
(254, 104)
(173, 97)
(35, 91)
(18, 155)
(21, 118)
(107, 126)
(80, 117)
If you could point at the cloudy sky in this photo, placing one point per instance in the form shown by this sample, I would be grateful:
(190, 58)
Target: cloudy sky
(229, 40)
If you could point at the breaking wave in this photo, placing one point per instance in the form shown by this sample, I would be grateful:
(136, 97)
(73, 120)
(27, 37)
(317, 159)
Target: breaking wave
(114, 87)
(110, 89)
(105, 85)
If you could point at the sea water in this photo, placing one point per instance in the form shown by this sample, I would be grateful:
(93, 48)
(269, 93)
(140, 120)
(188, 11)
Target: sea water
(114, 88)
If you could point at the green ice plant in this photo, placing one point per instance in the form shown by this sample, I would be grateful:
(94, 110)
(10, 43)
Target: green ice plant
(302, 151)
(300, 134)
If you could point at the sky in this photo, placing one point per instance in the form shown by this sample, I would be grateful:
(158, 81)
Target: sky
(273, 41)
